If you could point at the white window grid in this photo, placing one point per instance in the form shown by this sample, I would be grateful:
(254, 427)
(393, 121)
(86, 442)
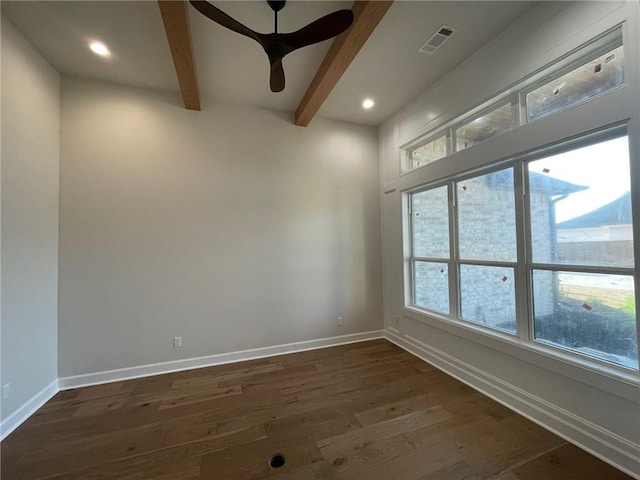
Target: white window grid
(524, 265)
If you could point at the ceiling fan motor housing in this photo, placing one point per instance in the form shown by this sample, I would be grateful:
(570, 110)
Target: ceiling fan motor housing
(276, 5)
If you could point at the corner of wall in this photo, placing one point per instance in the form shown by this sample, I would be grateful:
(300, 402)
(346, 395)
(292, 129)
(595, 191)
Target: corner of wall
(29, 231)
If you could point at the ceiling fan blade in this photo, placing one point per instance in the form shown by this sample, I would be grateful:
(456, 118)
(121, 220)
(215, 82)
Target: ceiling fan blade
(218, 16)
(276, 79)
(322, 29)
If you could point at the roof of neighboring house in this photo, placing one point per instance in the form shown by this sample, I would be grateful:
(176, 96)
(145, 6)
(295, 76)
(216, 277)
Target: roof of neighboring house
(538, 183)
(614, 213)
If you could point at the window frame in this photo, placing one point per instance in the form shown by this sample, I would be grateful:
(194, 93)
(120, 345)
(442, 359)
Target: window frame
(589, 52)
(454, 261)
(516, 95)
(611, 133)
(412, 258)
(408, 149)
(524, 266)
(499, 102)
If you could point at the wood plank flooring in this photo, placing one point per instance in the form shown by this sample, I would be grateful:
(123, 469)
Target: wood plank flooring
(362, 411)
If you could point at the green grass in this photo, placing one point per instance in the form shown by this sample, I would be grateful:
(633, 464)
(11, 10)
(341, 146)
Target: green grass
(629, 305)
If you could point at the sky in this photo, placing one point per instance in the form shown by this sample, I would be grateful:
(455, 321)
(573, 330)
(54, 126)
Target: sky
(603, 167)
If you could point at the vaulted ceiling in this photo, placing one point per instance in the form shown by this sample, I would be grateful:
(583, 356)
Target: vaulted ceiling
(233, 69)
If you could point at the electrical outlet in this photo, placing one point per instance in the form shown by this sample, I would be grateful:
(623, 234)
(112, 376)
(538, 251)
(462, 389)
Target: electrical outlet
(177, 342)
(397, 320)
(6, 390)
(340, 321)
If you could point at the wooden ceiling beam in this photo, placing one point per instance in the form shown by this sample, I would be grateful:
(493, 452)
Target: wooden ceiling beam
(345, 47)
(176, 25)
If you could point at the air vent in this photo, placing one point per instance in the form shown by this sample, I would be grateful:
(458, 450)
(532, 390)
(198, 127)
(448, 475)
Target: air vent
(437, 39)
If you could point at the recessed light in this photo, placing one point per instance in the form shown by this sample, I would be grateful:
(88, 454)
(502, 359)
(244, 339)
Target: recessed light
(368, 103)
(99, 48)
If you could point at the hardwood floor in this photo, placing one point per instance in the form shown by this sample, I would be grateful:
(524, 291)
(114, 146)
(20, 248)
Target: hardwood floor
(362, 411)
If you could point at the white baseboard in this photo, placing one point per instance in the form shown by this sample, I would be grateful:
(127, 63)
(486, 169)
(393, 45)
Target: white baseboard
(98, 378)
(14, 420)
(602, 443)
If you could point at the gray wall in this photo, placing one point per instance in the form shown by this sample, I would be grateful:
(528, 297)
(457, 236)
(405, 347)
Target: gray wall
(30, 166)
(229, 227)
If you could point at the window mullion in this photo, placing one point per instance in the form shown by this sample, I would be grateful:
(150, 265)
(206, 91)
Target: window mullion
(517, 109)
(454, 290)
(635, 195)
(453, 141)
(410, 274)
(523, 288)
(606, 270)
(431, 259)
(488, 263)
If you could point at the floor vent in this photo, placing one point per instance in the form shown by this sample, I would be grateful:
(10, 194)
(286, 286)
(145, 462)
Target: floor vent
(437, 39)
(276, 460)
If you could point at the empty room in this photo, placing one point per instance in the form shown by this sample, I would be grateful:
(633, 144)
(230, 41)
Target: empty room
(309, 240)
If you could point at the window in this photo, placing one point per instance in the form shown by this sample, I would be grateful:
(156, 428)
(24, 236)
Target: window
(582, 248)
(590, 79)
(596, 68)
(576, 237)
(432, 286)
(486, 217)
(487, 249)
(430, 247)
(428, 152)
(487, 296)
(484, 127)
(486, 243)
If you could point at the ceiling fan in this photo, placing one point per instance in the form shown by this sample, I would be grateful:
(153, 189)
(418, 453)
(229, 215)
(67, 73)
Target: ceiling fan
(277, 45)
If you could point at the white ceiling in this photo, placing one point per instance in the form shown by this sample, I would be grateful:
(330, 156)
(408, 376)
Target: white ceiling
(234, 69)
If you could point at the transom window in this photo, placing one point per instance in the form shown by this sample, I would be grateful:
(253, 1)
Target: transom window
(595, 69)
(428, 152)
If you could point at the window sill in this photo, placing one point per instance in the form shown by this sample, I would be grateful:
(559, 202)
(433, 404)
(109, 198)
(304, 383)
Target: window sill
(620, 382)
